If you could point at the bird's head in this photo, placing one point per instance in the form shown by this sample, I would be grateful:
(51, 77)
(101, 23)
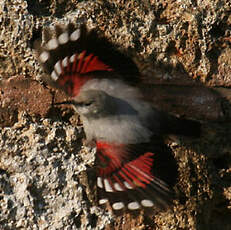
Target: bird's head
(92, 103)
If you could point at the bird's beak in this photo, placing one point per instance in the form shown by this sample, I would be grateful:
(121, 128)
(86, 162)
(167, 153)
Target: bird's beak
(71, 102)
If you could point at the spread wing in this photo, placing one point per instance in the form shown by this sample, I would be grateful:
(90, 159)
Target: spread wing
(131, 177)
(71, 56)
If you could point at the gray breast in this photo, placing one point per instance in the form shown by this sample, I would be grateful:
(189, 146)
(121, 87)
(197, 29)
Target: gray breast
(133, 120)
(123, 129)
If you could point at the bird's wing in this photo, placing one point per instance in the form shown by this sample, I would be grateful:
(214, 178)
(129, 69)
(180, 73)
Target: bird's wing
(71, 56)
(129, 177)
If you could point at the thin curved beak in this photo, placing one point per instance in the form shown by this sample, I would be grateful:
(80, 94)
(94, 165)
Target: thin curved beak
(71, 102)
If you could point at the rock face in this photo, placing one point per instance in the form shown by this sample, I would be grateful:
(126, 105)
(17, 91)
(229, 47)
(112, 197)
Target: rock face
(43, 184)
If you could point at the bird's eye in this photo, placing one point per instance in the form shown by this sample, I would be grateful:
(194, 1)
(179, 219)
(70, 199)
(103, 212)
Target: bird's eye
(88, 103)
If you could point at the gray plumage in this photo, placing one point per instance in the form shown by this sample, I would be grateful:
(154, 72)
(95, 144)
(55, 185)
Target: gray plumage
(115, 112)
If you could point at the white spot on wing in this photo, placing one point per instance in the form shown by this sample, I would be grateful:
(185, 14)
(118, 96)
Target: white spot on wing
(147, 203)
(118, 187)
(108, 187)
(54, 76)
(43, 57)
(58, 67)
(63, 38)
(65, 61)
(99, 182)
(118, 205)
(75, 35)
(103, 201)
(52, 44)
(133, 205)
(72, 58)
(127, 185)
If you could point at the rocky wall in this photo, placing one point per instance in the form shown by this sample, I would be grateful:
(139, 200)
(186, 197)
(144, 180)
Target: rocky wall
(43, 184)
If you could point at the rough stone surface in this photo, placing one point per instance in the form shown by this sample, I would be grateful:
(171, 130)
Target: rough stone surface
(43, 184)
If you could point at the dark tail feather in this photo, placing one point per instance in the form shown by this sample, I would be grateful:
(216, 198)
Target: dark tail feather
(184, 127)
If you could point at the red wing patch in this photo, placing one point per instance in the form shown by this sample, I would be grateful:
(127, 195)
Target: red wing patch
(68, 60)
(72, 73)
(89, 63)
(128, 183)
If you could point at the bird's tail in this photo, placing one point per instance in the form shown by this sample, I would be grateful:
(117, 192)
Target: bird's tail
(178, 126)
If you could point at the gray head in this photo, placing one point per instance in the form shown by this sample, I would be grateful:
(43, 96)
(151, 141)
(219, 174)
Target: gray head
(93, 103)
(97, 104)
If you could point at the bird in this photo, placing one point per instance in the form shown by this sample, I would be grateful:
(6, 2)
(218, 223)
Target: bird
(134, 167)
